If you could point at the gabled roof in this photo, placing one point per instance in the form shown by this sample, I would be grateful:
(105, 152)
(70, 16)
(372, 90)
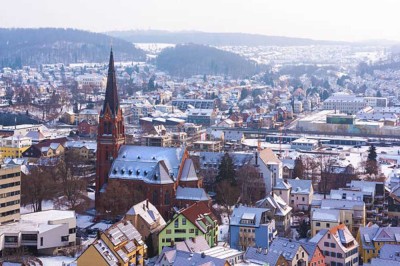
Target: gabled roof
(184, 258)
(261, 256)
(148, 212)
(268, 156)
(300, 186)
(188, 193)
(197, 214)
(197, 244)
(288, 247)
(188, 171)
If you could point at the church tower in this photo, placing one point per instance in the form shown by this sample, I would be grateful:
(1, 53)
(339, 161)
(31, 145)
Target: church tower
(111, 131)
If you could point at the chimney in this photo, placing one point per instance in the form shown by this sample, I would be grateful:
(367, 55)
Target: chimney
(147, 203)
(256, 158)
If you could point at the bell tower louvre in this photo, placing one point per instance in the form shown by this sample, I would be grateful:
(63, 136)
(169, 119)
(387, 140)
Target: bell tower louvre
(111, 131)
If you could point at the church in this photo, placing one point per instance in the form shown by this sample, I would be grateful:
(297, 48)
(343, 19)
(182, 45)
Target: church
(166, 176)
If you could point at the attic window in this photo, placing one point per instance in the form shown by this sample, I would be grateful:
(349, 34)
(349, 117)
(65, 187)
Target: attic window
(155, 176)
(145, 172)
(138, 172)
(122, 171)
(154, 157)
(138, 157)
(130, 171)
(115, 171)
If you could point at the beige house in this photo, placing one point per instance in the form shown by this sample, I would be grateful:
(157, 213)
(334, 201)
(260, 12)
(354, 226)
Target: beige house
(298, 193)
(147, 220)
(10, 193)
(324, 219)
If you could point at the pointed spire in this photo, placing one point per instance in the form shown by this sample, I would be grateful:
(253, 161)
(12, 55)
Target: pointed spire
(111, 91)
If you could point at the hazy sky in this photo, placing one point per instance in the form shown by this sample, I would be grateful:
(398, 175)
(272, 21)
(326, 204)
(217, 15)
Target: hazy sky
(318, 19)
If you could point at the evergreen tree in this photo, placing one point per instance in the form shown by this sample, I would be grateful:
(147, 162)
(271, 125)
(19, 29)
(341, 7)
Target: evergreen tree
(303, 229)
(226, 170)
(298, 170)
(372, 164)
(244, 94)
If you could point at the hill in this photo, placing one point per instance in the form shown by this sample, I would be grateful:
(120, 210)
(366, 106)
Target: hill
(194, 59)
(20, 47)
(209, 38)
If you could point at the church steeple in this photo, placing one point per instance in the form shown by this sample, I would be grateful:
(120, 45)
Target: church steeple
(111, 99)
(110, 132)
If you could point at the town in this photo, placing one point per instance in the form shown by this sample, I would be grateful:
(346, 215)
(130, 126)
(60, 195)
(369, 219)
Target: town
(165, 154)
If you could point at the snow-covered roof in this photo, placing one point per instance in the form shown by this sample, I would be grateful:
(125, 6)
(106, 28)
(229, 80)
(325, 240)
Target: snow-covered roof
(325, 215)
(150, 164)
(188, 193)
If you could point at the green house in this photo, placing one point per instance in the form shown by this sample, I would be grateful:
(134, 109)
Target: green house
(193, 221)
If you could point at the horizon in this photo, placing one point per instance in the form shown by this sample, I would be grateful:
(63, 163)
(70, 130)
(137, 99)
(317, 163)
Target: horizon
(340, 20)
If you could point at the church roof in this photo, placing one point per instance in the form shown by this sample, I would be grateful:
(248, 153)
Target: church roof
(150, 164)
(111, 98)
(189, 171)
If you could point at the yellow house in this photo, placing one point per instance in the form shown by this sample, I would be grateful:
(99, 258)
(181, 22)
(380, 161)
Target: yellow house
(14, 146)
(372, 238)
(121, 244)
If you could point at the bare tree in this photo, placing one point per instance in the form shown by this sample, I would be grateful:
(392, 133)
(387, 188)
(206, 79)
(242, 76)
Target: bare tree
(228, 194)
(251, 184)
(36, 187)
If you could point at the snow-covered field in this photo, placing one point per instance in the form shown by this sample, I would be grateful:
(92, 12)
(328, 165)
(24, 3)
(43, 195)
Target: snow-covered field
(58, 261)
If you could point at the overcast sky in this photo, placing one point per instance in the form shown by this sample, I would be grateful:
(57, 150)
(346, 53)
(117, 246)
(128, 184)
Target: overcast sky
(319, 19)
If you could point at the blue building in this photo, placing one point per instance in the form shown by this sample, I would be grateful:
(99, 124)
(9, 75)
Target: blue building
(251, 227)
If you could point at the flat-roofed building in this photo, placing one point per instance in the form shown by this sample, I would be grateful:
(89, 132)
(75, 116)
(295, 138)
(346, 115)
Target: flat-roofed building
(10, 193)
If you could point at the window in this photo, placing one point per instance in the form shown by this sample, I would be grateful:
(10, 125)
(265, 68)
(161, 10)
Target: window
(328, 225)
(191, 231)
(333, 245)
(329, 236)
(318, 224)
(339, 255)
(64, 238)
(11, 239)
(303, 199)
(183, 221)
(72, 230)
(155, 198)
(168, 231)
(326, 244)
(180, 231)
(41, 241)
(333, 254)
(197, 232)
(167, 197)
(176, 223)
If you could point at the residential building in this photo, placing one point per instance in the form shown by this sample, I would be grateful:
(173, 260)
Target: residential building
(280, 211)
(373, 238)
(183, 104)
(172, 257)
(89, 115)
(293, 252)
(204, 117)
(42, 232)
(338, 245)
(14, 146)
(10, 193)
(47, 148)
(351, 212)
(121, 244)
(145, 217)
(259, 256)
(269, 166)
(297, 107)
(324, 219)
(301, 194)
(196, 220)
(251, 227)
(207, 146)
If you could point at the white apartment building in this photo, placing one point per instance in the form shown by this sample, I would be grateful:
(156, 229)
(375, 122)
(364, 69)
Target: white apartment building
(92, 80)
(351, 104)
(297, 107)
(43, 231)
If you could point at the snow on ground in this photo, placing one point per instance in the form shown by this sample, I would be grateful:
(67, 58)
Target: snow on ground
(84, 221)
(101, 226)
(223, 232)
(46, 205)
(57, 261)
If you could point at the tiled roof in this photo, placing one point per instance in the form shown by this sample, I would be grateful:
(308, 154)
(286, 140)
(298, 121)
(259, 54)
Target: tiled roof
(197, 214)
